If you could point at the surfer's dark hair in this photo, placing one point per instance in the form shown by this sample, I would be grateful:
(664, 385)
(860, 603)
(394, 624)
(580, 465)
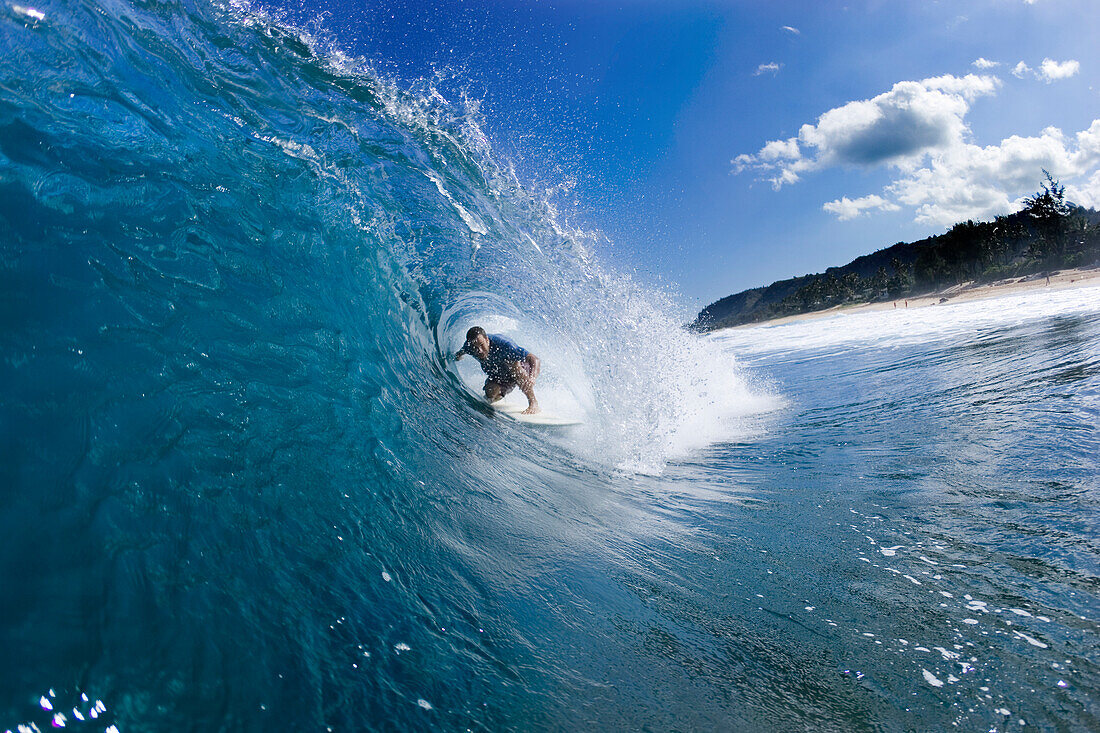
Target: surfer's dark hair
(474, 332)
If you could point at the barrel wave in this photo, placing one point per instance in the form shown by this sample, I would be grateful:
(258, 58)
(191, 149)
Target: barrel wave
(245, 484)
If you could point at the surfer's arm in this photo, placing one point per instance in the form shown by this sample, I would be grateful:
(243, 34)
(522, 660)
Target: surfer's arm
(460, 353)
(534, 366)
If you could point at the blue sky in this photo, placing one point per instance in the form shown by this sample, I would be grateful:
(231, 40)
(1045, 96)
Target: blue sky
(723, 145)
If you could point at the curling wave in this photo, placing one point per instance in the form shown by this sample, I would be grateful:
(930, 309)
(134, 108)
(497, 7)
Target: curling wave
(235, 265)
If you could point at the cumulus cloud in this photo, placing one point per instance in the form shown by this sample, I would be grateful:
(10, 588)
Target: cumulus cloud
(897, 127)
(846, 208)
(1051, 70)
(984, 63)
(975, 182)
(918, 129)
(1021, 70)
(765, 68)
(1086, 193)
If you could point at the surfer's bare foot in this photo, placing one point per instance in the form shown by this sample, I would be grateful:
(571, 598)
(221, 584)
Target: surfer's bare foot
(532, 409)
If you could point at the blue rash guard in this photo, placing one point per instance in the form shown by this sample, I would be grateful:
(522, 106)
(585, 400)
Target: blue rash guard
(502, 353)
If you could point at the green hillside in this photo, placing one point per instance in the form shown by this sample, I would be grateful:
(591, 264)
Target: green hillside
(1048, 234)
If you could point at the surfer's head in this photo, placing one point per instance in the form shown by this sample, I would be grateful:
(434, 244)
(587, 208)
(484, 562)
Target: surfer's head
(477, 342)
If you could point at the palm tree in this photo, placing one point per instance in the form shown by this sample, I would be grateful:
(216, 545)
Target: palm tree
(1050, 211)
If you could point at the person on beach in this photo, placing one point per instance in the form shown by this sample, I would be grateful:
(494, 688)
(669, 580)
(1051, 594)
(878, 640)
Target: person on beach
(506, 364)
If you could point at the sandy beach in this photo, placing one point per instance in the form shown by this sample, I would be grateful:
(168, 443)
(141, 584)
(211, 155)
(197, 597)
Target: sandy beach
(1063, 279)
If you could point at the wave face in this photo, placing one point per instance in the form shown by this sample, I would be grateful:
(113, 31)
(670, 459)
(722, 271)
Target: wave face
(244, 485)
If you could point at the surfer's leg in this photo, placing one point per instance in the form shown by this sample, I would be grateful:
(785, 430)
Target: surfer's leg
(525, 373)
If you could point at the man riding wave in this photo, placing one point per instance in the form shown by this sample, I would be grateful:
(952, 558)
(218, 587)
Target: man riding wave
(507, 365)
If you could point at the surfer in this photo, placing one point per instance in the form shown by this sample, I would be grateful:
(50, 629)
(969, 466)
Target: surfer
(506, 364)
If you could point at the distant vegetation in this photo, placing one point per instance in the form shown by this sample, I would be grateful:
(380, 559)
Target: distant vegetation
(1048, 234)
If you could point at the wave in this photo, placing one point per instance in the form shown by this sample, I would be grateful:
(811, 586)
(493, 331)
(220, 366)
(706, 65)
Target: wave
(235, 263)
(219, 148)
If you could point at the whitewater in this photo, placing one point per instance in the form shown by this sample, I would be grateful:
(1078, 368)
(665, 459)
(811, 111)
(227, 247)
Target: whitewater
(246, 486)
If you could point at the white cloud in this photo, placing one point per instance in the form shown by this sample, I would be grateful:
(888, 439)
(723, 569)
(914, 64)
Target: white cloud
(791, 30)
(984, 63)
(846, 208)
(764, 68)
(974, 182)
(968, 86)
(1086, 193)
(898, 127)
(781, 150)
(918, 129)
(1051, 70)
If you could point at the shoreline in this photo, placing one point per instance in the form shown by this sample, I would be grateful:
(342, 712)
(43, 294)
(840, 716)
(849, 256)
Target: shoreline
(1060, 280)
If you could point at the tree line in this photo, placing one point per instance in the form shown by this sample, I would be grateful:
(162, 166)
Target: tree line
(1048, 234)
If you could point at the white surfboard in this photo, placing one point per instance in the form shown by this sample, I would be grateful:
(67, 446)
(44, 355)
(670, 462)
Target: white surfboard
(515, 412)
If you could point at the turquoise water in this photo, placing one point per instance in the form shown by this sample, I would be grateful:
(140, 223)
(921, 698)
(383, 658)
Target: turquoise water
(245, 488)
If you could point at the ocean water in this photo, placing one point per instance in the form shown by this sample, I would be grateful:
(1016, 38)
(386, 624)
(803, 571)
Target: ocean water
(245, 488)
